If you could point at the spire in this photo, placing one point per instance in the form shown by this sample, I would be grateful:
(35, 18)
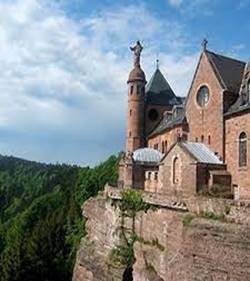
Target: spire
(204, 44)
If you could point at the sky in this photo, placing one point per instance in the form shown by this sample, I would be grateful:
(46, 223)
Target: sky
(64, 66)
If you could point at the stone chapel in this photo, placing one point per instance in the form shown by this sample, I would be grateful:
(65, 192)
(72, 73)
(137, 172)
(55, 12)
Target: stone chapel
(197, 144)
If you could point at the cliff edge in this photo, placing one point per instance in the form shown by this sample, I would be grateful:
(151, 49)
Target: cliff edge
(198, 239)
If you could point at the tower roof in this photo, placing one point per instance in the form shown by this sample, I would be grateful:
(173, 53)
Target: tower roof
(159, 92)
(136, 74)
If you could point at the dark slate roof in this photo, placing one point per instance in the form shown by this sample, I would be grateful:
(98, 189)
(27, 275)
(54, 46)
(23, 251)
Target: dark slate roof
(242, 104)
(168, 122)
(229, 71)
(159, 92)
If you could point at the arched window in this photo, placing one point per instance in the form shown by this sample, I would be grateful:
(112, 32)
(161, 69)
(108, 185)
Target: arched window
(202, 138)
(166, 146)
(163, 147)
(209, 139)
(131, 90)
(176, 170)
(138, 89)
(242, 149)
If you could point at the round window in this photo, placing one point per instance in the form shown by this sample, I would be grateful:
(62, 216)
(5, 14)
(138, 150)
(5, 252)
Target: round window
(153, 114)
(203, 96)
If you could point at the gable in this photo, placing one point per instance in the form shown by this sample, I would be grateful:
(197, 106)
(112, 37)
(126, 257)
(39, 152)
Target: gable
(178, 150)
(204, 73)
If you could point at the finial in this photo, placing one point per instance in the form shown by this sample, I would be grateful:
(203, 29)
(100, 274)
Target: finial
(204, 44)
(157, 63)
(137, 49)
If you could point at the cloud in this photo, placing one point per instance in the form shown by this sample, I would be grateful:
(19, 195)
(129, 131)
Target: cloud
(63, 81)
(191, 7)
(175, 3)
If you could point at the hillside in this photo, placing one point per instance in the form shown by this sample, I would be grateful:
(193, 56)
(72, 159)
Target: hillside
(40, 216)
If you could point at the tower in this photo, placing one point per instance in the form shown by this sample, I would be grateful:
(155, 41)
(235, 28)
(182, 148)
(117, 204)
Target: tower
(136, 103)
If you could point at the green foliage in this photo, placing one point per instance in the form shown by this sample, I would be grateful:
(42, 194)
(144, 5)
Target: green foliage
(154, 243)
(213, 216)
(130, 204)
(124, 254)
(40, 216)
(187, 219)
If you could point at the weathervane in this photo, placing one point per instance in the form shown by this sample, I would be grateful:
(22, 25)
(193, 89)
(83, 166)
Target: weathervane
(137, 49)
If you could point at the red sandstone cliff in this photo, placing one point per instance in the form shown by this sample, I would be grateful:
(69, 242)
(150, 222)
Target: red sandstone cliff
(199, 249)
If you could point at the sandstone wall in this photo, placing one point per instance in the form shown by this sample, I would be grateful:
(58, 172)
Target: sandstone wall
(172, 245)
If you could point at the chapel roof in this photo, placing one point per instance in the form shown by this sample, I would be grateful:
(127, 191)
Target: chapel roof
(229, 71)
(201, 152)
(159, 92)
(147, 156)
(242, 104)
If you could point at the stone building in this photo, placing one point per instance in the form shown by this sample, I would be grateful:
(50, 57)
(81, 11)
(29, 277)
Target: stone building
(183, 146)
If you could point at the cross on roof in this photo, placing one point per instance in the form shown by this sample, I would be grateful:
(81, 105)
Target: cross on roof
(204, 44)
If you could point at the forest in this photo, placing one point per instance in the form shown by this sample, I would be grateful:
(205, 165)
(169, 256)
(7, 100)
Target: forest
(40, 216)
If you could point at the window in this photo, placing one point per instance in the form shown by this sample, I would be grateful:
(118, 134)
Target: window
(156, 146)
(209, 139)
(149, 175)
(163, 147)
(242, 149)
(203, 96)
(138, 89)
(131, 90)
(166, 146)
(129, 134)
(130, 112)
(156, 176)
(176, 170)
(202, 138)
(153, 114)
(196, 139)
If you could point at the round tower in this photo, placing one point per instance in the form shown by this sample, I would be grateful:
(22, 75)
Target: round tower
(136, 103)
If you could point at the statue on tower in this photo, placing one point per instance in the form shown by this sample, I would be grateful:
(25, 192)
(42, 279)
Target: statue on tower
(137, 49)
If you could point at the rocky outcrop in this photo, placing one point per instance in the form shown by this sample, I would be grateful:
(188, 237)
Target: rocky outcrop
(173, 245)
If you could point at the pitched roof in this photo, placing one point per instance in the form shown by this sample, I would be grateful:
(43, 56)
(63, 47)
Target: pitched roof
(159, 92)
(201, 152)
(229, 71)
(242, 104)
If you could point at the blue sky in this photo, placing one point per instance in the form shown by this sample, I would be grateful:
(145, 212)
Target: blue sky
(64, 66)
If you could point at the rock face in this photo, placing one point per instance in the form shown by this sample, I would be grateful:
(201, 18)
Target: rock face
(173, 246)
